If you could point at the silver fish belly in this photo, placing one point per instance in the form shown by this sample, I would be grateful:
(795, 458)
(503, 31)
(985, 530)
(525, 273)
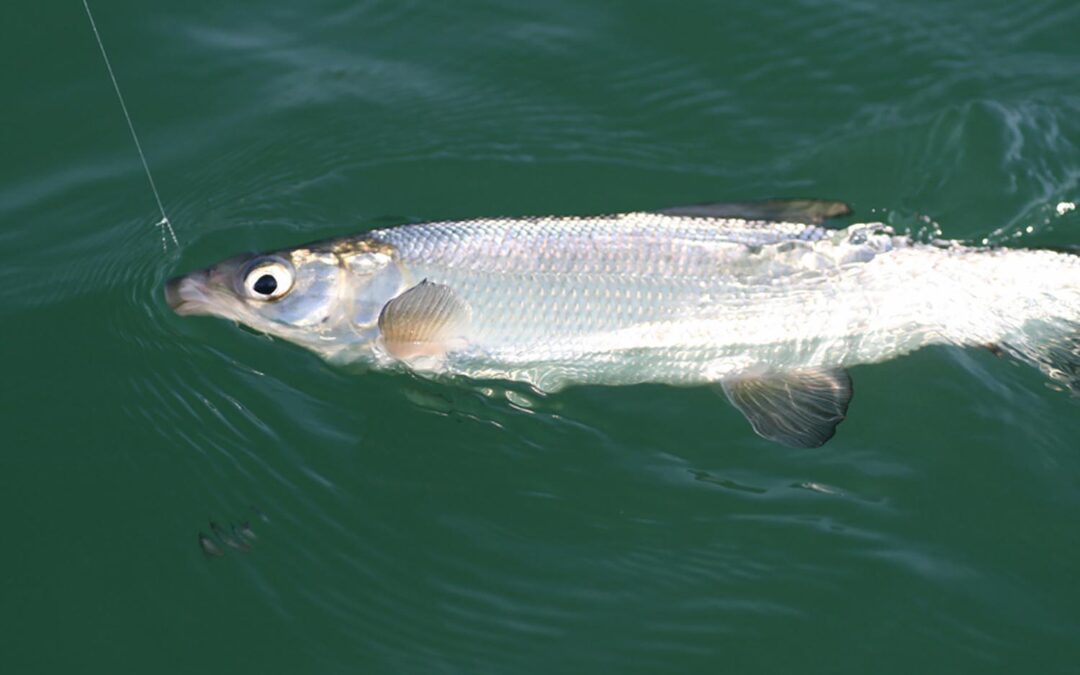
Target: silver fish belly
(773, 310)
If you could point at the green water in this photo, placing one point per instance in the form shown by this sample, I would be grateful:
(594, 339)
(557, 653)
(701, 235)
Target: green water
(411, 527)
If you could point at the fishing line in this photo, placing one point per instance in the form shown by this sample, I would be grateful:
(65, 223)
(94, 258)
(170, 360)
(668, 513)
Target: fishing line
(164, 223)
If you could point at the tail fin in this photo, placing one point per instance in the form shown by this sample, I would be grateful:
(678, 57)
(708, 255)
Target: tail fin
(1059, 358)
(1053, 348)
(1046, 331)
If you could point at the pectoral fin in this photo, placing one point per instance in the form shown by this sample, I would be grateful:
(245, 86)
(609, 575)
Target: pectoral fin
(799, 409)
(425, 320)
(810, 211)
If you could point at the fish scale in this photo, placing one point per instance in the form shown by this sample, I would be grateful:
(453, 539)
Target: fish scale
(550, 289)
(772, 310)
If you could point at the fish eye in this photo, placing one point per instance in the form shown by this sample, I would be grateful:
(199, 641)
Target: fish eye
(268, 280)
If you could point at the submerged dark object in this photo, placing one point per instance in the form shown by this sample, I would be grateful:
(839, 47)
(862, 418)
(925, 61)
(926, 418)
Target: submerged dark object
(237, 536)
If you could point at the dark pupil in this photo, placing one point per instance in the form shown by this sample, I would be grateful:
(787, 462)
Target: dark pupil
(266, 284)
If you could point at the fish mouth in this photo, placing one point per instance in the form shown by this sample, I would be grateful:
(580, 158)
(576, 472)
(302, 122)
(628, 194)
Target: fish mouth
(187, 295)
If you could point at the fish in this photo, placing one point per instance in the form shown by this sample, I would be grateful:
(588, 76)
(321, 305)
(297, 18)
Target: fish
(769, 302)
(229, 539)
(209, 548)
(244, 531)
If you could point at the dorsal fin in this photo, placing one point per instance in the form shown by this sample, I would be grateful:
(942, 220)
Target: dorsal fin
(810, 211)
(799, 409)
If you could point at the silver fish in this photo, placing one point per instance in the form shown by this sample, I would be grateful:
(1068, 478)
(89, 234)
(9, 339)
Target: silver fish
(209, 548)
(769, 300)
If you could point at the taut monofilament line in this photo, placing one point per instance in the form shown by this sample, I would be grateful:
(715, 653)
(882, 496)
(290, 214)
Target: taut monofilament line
(163, 224)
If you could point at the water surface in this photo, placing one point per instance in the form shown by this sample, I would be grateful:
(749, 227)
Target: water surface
(406, 526)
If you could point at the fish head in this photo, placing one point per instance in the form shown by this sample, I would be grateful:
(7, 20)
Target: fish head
(295, 294)
(325, 296)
